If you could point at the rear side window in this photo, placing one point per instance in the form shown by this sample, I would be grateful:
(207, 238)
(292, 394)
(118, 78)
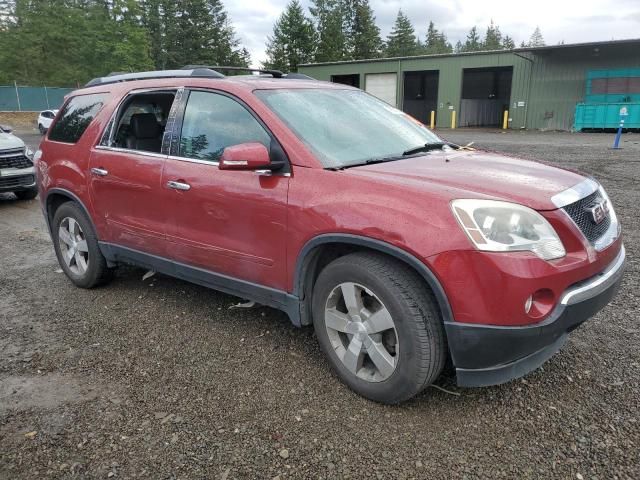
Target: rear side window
(76, 116)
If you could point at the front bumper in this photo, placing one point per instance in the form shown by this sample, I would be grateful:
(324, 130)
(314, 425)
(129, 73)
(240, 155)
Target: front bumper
(17, 179)
(490, 355)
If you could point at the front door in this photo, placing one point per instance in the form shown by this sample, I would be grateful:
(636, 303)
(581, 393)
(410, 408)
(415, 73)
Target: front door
(229, 222)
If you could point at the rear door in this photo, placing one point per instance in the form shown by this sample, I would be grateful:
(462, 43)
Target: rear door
(229, 222)
(125, 186)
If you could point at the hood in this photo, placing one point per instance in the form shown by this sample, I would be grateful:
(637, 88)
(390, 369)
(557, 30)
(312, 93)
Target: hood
(477, 174)
(10, 142)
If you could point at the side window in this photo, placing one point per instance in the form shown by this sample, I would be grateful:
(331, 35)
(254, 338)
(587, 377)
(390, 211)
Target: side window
(76, 116)
(140, 122)
(213, 122)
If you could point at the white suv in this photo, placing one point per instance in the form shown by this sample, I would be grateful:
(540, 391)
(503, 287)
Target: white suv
(44, 120)
(17, 174)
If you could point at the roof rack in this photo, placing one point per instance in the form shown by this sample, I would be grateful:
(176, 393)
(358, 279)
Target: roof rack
(201, 72)
(273, 73)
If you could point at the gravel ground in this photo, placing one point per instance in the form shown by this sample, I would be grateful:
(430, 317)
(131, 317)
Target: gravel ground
(159, 379)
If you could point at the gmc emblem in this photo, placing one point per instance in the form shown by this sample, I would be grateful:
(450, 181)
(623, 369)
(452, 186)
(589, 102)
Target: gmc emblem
(598, 211)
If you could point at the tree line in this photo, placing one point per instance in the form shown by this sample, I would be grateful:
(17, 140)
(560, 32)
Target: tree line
(338, 30)
(67, 42)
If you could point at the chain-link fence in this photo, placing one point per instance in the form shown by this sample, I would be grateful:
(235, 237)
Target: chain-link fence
(15, 98)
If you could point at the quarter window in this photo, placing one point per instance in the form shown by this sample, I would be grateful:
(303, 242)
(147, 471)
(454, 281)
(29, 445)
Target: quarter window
(76, 116)
(213, 122)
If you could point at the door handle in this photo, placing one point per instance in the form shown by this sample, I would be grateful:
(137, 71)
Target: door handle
(178, 185)
(101, 172)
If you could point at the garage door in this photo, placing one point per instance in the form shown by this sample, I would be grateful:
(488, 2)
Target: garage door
(383, 86)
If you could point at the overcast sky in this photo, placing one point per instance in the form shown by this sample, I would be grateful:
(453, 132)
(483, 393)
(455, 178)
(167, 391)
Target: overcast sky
(568, 20)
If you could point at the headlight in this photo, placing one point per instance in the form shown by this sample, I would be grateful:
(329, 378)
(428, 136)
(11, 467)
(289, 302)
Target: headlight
(28, 153)
(507, 227)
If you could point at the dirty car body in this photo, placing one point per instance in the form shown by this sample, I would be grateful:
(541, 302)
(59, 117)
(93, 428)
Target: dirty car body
(340, 210)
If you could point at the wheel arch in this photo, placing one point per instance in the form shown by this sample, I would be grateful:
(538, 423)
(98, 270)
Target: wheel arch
(56, 197)
(320, 250)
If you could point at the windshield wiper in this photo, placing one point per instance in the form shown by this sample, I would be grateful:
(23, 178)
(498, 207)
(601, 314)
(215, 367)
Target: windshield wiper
(371, 161)
(422, 148)
(427, 147)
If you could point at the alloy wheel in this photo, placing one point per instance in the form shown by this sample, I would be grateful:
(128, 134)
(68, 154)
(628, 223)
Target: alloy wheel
(362, 332)
(73, 246)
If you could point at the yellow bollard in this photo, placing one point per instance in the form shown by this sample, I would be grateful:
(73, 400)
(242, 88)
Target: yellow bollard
(453, 119)
(432, 125)
(505, 120)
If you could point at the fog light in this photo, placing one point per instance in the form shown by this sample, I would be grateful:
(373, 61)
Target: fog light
(528, 303)
(540, 303)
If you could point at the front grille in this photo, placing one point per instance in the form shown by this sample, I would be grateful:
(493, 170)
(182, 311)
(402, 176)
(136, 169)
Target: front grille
(17, 181)
(14, 159)
(580, 214)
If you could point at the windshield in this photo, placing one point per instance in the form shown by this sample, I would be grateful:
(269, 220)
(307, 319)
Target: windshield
(347, 127)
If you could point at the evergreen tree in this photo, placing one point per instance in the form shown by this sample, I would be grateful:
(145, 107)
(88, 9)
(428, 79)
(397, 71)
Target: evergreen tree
(536, 39)
(459, 48)
(364, 32)
(67, 42)
(328, 17)
(493, 38)
(402, 42)
(292, 41)
(436, 41)
(508, 43)
(192, 32)
(6, 13)
(473, 43)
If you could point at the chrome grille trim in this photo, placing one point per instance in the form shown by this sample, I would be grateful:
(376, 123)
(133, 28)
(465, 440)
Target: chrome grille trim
(575, 193)
(598, 284)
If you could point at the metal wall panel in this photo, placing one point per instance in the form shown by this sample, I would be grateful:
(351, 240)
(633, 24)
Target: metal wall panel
(546, 84)
(559, 81)
(450, 77)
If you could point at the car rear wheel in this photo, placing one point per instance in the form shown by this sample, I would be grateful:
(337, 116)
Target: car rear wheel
(76, 247)
(379, 326)
(26, 194)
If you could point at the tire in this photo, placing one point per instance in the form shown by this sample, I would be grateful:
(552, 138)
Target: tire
(94, 270)
(416, 342)
(26, 194)
(42, 129)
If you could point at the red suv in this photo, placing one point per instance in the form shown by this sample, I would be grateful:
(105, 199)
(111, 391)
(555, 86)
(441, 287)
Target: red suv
(404, 251)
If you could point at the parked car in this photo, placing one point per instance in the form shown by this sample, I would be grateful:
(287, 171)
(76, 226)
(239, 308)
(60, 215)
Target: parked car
(402, 250)
(16, 166)
(44, 120)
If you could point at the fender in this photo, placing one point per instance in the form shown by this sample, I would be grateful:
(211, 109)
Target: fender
(71, 196)
(306, 257)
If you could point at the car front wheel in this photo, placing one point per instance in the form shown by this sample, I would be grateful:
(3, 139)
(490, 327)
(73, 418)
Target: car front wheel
(42, 129)
(76, 247)
(379, 326)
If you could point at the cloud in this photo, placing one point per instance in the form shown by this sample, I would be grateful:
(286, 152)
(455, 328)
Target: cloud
(569, 21)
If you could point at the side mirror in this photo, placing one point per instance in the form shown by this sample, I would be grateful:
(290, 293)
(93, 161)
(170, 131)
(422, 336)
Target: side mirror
(245, 156)
(6, 128)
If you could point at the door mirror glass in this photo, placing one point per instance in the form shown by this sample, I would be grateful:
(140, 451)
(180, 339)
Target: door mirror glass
(6, 129)
(245, 156)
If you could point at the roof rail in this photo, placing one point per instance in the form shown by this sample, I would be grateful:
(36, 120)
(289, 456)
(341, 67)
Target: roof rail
(273, 73)
(116, 77)
(298, 76)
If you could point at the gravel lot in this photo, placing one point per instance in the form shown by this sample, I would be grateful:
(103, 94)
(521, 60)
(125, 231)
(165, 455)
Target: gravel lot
(159, 379)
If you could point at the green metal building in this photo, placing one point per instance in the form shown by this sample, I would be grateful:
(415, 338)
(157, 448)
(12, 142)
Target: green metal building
(539, 87)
